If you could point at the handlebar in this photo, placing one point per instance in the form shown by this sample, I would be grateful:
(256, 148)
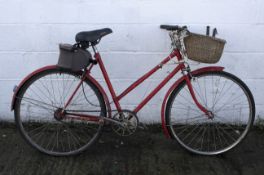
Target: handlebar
(173, 27)
(177, 34)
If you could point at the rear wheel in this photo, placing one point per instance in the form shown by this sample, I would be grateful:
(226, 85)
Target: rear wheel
(39, 103)
(230, 102)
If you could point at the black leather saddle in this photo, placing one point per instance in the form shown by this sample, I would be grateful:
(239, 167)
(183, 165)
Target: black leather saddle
(92, 36)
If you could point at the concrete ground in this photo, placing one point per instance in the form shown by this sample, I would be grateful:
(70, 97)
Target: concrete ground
(145, 152)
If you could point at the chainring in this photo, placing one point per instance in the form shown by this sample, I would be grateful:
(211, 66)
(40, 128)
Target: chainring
(129, 122)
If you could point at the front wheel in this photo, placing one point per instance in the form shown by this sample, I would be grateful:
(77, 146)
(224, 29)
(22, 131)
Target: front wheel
(39, 116)
(230, 102)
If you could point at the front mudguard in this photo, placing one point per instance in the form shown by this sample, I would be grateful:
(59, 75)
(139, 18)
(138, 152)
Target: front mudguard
(164, 104)
(21, 84)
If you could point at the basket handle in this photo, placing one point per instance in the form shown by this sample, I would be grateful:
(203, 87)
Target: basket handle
(207, 30)
(215, 32)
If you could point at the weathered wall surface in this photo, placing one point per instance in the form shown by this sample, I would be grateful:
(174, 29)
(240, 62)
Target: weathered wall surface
(30, 31)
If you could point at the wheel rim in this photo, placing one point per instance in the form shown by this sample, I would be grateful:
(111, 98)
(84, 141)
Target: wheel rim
(231, 122)
(38, 103)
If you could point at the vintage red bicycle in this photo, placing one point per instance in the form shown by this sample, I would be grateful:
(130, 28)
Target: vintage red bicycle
(61, 109)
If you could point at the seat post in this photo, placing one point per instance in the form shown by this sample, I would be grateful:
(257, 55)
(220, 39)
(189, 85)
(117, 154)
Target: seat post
(95, 49)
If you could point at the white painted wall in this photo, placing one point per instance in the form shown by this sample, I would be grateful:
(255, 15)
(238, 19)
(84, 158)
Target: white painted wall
(30, 31)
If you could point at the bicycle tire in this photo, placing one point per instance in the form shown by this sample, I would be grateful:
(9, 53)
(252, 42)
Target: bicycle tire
(57, 131)
(206, 130)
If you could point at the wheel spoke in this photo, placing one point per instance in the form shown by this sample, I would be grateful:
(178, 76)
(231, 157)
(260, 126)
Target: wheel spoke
(49, 92)
(229, 101)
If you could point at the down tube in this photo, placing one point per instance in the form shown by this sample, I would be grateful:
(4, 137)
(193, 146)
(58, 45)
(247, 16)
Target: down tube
(157, 89)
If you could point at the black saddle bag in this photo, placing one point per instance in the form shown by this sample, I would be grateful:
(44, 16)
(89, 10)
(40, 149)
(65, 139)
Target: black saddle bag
(73, 58)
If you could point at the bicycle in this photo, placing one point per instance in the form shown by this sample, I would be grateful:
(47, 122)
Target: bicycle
(61, 109)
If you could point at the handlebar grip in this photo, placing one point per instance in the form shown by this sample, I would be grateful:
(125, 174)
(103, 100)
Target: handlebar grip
(207, 30)
(170, 27)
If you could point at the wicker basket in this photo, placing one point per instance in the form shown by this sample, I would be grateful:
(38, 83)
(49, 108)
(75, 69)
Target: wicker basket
(204, 48)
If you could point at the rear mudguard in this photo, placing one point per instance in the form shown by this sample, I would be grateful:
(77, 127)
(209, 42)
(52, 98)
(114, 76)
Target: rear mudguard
(18, 88)
(164, 104)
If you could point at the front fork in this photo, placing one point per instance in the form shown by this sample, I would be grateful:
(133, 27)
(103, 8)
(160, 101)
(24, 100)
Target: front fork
(186, 71)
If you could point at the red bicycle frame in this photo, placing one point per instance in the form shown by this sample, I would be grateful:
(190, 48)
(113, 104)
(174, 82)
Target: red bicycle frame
(116, 98)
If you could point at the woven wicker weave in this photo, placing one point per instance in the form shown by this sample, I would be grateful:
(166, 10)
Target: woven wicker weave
(204, 48)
